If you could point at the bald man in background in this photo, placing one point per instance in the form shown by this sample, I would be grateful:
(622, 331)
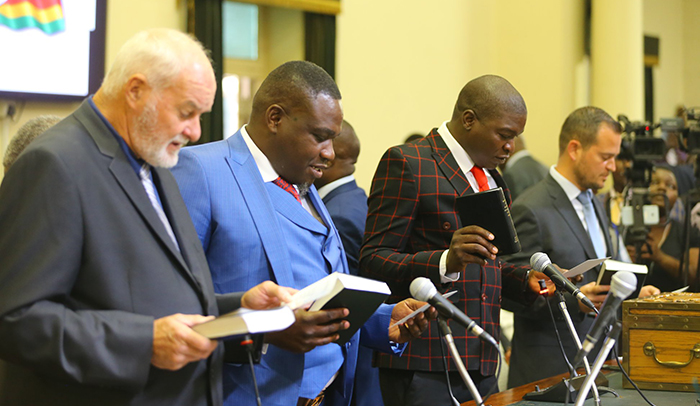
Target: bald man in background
(346, 202)
(347, 205)
(522, 170)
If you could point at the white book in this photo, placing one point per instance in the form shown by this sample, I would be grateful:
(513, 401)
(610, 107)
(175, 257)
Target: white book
(610, 266)
(247, 321)
(361, 296)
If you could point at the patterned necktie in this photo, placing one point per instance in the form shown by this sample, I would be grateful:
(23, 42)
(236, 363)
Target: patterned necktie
(480, 177)
(592, 222)
(287, 187)
(145, 175)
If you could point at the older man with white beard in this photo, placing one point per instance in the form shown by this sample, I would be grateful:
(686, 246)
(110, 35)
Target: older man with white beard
(102, 275)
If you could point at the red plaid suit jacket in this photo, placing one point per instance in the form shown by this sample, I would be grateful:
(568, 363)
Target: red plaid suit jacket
(410, 223)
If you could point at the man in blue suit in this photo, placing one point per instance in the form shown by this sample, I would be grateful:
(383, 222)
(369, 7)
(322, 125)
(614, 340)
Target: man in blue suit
(347, 204)
(259, 217)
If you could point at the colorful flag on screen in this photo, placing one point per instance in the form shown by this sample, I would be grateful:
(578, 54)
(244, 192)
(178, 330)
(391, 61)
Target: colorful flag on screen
(46, 15)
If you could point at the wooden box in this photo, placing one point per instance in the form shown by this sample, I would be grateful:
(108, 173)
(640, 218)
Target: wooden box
(661, 341)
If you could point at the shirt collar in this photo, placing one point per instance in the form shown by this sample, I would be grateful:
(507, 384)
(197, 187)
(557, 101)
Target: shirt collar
(267, 172)
(572, 191)
(516, 157)
(135, 163)
(463, 160)
(324, 190)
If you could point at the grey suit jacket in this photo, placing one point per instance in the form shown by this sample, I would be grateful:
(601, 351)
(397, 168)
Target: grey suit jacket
(86, 268)
(547, 222)
(524, 173)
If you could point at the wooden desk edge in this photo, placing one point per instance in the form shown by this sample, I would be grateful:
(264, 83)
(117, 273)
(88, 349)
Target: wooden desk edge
(513, 395)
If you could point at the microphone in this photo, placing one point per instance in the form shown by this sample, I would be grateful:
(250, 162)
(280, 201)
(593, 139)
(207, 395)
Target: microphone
(539, 261)
(423, 289)
(622, 285)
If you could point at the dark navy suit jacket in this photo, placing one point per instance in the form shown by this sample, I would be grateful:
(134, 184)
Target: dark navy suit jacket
(347, 205)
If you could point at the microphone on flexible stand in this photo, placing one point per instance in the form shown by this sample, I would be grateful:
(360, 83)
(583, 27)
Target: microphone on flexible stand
(424, 290)
(539, 261)
(622, 285)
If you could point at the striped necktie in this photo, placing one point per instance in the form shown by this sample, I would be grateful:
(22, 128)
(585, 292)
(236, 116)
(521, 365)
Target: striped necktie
(145, 175)
(287, 187)
(592, 222)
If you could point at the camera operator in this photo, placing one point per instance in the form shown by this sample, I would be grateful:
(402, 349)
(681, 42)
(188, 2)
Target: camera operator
(664, 241)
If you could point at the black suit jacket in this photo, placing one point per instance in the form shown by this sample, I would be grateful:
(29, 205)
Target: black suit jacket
(547, 222)
(411, 220)
(86, 268)
(523, 174)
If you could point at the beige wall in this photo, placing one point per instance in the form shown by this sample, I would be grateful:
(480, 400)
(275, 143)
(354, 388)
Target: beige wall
(400, 65)
(691, 53)
(400, 68)
(664, 19)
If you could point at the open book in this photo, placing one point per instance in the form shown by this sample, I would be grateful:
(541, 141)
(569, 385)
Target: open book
(361, 296)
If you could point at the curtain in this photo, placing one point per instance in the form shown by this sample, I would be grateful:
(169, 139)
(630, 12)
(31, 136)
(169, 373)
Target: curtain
(204, 21)
(320, 40)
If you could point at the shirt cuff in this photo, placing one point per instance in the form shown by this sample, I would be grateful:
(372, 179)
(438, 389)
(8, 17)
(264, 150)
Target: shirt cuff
(444, 276)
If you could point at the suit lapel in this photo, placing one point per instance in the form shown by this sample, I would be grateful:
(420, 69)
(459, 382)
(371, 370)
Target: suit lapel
(448, 165)
(247, 176)
(293, 211)
(502, 184)
(315, 199)
(178, 216)
(129, 181)
(563, 206)
(340, 190)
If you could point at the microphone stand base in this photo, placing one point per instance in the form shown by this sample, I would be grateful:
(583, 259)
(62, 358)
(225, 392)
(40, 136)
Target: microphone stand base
(557, 392)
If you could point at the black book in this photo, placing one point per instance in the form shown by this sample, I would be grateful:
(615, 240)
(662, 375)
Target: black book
(361, 296)
(489, 210)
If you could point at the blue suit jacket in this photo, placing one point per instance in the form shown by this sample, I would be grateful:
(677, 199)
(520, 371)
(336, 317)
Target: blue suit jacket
(236, 221)
(347, 205)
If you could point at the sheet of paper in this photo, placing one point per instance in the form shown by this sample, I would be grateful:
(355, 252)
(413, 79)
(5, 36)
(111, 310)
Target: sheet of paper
(420, 310)
(583, 267)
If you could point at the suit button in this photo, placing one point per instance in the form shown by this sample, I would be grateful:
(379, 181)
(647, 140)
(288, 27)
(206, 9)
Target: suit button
(446, 225)
(483, 297)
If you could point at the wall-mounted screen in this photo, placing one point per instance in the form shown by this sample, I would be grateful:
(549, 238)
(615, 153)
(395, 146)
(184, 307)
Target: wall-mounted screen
(51, 49)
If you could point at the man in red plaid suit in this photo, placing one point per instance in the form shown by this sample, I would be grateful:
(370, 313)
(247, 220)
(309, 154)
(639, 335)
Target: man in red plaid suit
(413, 230)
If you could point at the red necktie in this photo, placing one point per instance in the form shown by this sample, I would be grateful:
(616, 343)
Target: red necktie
(287, 187)
(480, 178)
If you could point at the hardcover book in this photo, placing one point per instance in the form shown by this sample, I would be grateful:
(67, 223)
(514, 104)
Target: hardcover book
(246, 321)
(361, 296)
(489, 210)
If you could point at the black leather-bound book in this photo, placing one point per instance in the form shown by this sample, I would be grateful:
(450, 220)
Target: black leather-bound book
(490, 211)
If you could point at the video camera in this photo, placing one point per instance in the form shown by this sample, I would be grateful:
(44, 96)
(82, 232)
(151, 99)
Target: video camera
(641, 147)
(690, 134)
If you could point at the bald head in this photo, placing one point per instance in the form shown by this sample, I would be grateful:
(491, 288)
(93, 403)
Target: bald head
(292, 85)
(488, 116)
(489, 96)
(347, 149)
